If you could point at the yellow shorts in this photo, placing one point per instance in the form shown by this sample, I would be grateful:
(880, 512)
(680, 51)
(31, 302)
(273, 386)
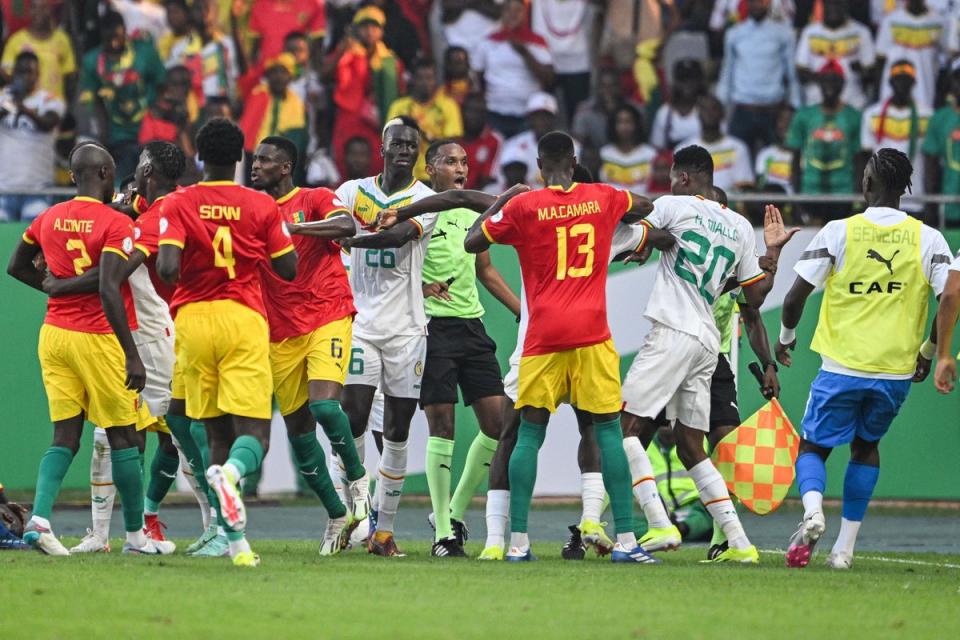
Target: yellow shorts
(589, 377)
(322, 354)
(223, 353)
(86, 373)
(177, 389)
(148, 422)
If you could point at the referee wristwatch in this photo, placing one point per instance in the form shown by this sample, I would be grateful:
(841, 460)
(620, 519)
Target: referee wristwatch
(771, 363)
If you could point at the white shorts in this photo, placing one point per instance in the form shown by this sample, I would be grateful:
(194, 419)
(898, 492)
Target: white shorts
(375, 420)
(671, 371)
(158, 358)
(394, 364)
(511, 381)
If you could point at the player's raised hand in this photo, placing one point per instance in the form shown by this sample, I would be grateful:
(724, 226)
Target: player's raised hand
(923, 369)
(387, 219)
(770, 386)
(945, 375)
(775, 235)
(782, 352)
(437, 290)
(136, 373)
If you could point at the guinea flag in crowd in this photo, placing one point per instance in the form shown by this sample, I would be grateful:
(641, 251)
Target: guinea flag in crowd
(758, 459)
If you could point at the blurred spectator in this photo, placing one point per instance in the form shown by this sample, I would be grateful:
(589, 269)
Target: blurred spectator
(273, 109)
(357, 156)
(757, 74)
(51, 44)
(627, 23)
(459, 80)
(29, 114)
(179, 28)
(774, 165)
(727, 13)
(542, 109)
(838, 38)
(272, 20)
(731, 159)
(627, 161)
(16, 15)
(677, 119)
(466, 23)
(514, 63)
(307, 85)
(119, 81)
(899, 122)
(825, 139)
(568, 27)
(591, 120)
(322, 170)
(369, 77)
(941, 149)
(660, 173)
(210, 55)
(913, 33)
(481, 143)
(145, 20)
(437, 115)
(168, 118)
(408, 35)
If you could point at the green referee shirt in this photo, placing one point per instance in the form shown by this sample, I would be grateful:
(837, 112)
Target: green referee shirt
(723, 317)
(446, 258)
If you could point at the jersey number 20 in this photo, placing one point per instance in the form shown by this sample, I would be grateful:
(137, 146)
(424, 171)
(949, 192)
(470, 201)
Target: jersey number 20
(699, 258)
(564, 269)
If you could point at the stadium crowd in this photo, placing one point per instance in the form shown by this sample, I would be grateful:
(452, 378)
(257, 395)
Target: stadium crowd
(787, 95)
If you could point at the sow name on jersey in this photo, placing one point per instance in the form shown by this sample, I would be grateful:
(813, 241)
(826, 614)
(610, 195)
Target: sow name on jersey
(219, 212)
(568, 211)
(70, 225)
(717, 227)
(884, 236)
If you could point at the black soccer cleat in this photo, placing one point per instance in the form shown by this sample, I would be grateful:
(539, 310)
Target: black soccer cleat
(447, 548)
(717, 549)
(574, 549)
(460, 531)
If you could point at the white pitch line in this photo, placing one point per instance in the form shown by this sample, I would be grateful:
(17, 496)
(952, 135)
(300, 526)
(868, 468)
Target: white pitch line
(921, 563)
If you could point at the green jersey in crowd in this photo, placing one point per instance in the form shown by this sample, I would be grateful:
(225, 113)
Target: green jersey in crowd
(828, 144)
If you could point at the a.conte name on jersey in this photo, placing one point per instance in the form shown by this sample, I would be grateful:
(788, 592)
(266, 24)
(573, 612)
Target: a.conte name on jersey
(587, 208)
(73, 226)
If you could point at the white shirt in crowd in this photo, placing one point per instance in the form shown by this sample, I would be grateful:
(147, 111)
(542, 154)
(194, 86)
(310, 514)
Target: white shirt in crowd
(731, 161)
(897, 126)
(919, 39)
(629, 171)
(523, 148)
(508, 80)
(31, 150)
(143, 18)
(850, 43)
(671, 127)
(566, 26)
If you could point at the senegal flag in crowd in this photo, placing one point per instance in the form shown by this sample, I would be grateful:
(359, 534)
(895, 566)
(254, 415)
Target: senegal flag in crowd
(758, 459)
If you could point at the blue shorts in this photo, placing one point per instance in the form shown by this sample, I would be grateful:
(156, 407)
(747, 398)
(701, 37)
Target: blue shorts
(843, 407)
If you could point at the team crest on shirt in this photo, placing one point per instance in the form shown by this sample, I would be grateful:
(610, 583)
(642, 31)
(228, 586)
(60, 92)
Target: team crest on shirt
(418, 369)
(298, 217)
(128, 245)
(497, 217)
(163, 225)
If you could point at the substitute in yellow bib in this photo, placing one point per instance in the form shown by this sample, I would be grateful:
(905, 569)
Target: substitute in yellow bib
(877, 269)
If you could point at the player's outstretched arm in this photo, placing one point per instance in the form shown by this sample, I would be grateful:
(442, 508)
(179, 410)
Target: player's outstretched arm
(792, 311)
(113, 273)
(453, 199)
(945, 374)
(392, 238)
(89, 282)
(775, 234)
(476, 240)
(22, 265)
(335, 228)
(495, 284)
(641, 207)
(168, 263)
(285, 266)
(760, 343)
(654, 239)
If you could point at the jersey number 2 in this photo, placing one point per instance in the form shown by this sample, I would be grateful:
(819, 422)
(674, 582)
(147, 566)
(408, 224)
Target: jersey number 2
(564, 270)
(79, 264)
(700, 257)
(223, 251)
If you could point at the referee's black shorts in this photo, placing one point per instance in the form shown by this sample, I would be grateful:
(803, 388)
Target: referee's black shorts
(459, 352)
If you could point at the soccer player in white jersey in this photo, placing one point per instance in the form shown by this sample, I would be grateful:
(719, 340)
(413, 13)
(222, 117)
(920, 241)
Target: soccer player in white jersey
(676, 362)
(390, 329)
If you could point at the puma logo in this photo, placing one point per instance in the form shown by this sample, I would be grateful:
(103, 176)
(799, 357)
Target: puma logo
(443, 466)
(873, 255)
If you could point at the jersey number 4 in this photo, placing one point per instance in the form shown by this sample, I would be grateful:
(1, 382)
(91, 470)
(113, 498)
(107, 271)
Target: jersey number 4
(223, 251)
(699, 258)
(564, 269)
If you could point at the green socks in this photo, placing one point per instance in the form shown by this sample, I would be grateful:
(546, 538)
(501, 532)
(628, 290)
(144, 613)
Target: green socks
(246, 455)
(439, 460)
(199, 432)
(129, 482)
(180, 428)
(337, 427)
(312, 464)
(163, 471)
(475, 469)
(523, 472)
(53, 467)
(616, 473)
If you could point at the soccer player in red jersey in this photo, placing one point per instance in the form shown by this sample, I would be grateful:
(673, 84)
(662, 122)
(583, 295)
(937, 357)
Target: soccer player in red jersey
(213, 237)
(311, 321)
(563, 235)
(90, 364)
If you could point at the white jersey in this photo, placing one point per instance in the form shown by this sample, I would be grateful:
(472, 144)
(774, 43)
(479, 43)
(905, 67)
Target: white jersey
(153, 314)
(714, 244)
(387, 283)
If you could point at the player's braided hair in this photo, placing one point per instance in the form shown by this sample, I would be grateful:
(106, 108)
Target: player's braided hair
(893, 169)
(167, 158)
(220, 142)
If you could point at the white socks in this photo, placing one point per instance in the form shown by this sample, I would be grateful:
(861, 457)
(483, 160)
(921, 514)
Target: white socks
(360, 444)
(239, 546)
(645, 485)
(714, 494)
(393, 468)
(847, 538)
(137, 538)
(192, 481)
(812, 503)
(592, 494)
(520, 541)
(627, 540)
(498, 512)
(102, 490)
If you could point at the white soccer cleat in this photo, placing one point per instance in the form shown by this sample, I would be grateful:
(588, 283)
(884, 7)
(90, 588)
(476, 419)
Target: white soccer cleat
(43, 539)
(336, 536)
(358, 493)
(358, 538)
(91, 543)
(231, 504)
(152, 548)
(839, 560)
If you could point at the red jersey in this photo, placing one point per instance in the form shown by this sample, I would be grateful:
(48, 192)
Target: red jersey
(146, 238)
(321, 292)
(226, 231)
(563, 242)
(73, 235)
(274, 20)
(483, 154)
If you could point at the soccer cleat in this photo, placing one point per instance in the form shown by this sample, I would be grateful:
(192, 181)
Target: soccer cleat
(447, 548)
(459, 528)
(594, 535)
(43, 539)
(518, 555)
(231, 504)
(803, 541)
(372, 522)
(153, 527)
(742, 556)
(383, 545)
(359, 536)
(493, 552)
(358, 492)
(10, 542)
(839, 560)
(216, 547)
(91, 543)
(662, 539)
(716, 550)
(574, 549)
(152, 548)
(337, 534)
(636, 555)
(209, 534)
(246, 559)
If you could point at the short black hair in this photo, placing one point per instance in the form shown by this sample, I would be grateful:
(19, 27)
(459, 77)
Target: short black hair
(422, 63)
(434, 149)
(640, 126)
(220, 142)
(167, 158)
(176, 3)
(357, 140)
(452, 49)
(893, 169)
(694, 159)
(26, 55)
(286, 145)
(295, 35)
(84, 143)
(582, 175)
(110, 21)
(555, 145)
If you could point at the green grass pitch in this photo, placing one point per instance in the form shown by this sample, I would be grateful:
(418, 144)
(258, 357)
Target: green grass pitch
(297, 594)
